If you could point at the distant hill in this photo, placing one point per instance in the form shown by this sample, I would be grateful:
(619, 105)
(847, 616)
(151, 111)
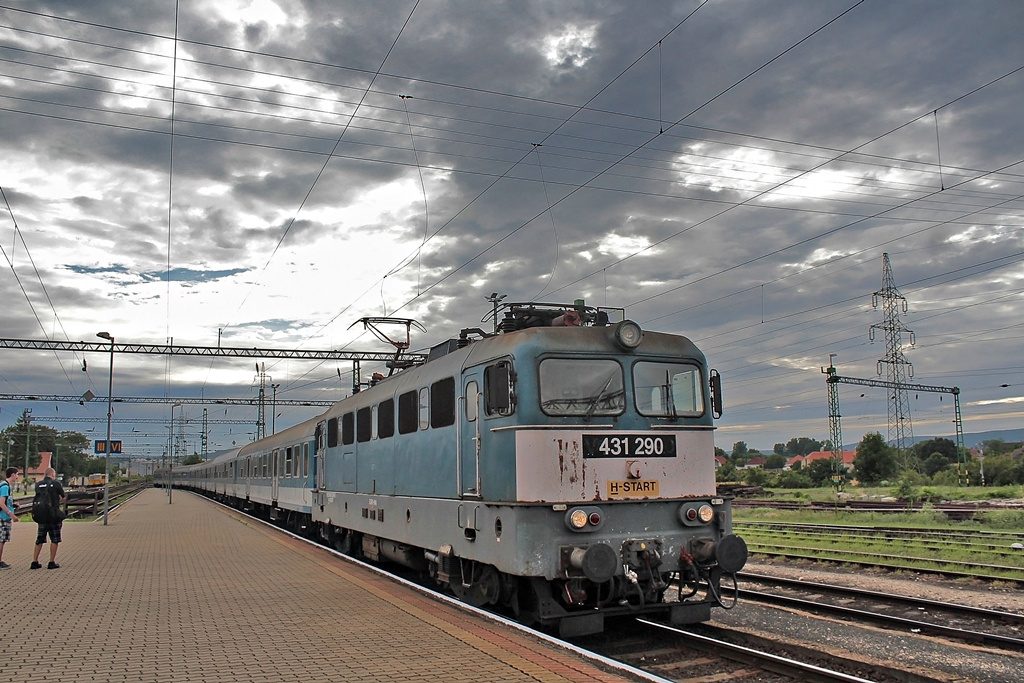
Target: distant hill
(970, 440)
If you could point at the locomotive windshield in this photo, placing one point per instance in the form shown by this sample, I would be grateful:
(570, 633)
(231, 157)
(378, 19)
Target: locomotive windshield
(668, 390)
(571, 386)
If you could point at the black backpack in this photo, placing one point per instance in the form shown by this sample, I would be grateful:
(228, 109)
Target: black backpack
(45, 506)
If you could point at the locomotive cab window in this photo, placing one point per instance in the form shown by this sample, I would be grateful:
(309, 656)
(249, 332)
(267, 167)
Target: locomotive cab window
(668, 389)
(498, 381)
(583, 387)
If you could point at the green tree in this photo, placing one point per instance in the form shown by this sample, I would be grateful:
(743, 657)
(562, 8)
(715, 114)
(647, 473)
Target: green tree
(726, 472)
(802, 446)
(935, 463)
(779, 448)
(943, 447)
(755, 476)
(1002, 470)
(820, 472)
(775, 461)
(875, 460)
(193, 459)
(740, 454)
(793, 480)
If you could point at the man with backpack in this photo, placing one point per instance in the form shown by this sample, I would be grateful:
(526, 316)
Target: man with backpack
(7, 508)
(49, 517)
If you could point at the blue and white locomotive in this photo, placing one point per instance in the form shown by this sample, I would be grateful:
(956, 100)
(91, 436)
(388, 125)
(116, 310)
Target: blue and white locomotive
(562, 469)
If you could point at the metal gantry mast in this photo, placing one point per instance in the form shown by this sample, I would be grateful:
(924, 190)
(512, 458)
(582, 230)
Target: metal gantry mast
(898, 368)
(833, 380)
(835, 426)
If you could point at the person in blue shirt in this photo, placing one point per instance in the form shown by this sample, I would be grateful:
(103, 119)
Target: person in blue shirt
(7, 507)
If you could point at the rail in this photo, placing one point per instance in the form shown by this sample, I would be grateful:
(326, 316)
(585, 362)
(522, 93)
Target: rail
(80, 503)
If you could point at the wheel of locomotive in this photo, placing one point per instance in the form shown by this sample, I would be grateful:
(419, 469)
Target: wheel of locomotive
(343, 541)
(484, 590)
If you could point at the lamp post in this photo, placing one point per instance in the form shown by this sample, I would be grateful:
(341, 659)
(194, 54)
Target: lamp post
(110, 414)
(171, 452)
(27, 414)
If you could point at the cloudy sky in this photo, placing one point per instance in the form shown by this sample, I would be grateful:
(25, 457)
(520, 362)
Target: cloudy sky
(270, 171)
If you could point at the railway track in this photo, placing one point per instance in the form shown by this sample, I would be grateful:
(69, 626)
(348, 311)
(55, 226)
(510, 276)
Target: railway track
(710, 653)
(965, 623)
(966, 555)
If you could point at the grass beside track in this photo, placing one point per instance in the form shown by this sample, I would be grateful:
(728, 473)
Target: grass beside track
(981, 547)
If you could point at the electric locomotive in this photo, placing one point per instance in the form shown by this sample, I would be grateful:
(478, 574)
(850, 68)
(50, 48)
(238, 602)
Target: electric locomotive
(562, 468)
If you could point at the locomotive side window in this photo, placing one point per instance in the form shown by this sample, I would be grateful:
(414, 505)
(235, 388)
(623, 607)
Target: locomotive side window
(364, 425)
(442, 403)
(668, 389)
(408, 407)
(424, 408)
(472, 401)
(584, 387)
(348, 429)
(498, 389)
(386, 419)
(332, 432)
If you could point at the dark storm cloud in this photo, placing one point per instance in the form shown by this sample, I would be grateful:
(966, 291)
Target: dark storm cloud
(756, 226)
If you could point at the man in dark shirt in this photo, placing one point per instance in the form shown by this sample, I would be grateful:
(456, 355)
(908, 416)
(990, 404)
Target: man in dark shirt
(51, 529)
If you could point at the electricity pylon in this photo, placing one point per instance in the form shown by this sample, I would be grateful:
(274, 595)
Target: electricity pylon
(898, 368)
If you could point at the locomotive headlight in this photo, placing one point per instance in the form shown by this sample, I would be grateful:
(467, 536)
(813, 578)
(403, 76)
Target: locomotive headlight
(706, 513)
(584, 519)
(578, 519)
(628, 335)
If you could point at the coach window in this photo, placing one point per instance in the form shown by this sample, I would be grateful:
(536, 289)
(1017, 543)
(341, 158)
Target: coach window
(424, 408)
(266, 465)
(332, 432)
(364, 425)
(498, 388)
(472, 401)
(407, 412)
(386, 419)
(442, 403)
(348, 429)
(288, 462)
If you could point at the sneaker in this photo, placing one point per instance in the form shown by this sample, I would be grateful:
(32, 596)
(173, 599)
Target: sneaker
(4, 565)
(35, 565)
(52, 565)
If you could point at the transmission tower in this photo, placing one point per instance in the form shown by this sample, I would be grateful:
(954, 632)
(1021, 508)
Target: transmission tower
(261, 413)
(898, 368)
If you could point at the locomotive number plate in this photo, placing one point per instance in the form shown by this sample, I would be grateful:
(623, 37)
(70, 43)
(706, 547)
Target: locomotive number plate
(629, 446)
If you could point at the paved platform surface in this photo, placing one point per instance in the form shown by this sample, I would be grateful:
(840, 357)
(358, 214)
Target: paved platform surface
(193, 592)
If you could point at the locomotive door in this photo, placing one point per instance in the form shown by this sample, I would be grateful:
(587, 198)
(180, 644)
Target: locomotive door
(469, 435)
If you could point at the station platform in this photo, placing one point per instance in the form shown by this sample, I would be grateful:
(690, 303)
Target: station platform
(192, 591)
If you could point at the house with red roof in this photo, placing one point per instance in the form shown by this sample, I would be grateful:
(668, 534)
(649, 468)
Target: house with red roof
(805, 460)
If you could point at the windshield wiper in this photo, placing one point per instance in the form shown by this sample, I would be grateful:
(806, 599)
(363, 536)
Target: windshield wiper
(597, 399)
